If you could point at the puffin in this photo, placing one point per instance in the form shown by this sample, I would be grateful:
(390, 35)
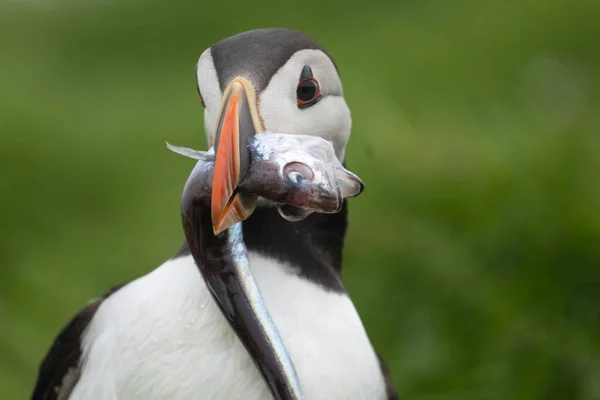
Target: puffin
(252, 305)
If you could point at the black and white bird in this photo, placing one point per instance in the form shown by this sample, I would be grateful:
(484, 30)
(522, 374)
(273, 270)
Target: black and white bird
(163, 335)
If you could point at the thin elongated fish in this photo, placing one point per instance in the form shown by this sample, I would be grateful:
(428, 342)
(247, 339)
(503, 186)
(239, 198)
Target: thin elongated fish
(300, 171)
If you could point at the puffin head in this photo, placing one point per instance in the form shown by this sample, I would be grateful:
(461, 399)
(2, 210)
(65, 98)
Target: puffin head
(265, 80)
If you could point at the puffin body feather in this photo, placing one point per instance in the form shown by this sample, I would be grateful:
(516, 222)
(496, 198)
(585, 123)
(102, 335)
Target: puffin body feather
(136, 347)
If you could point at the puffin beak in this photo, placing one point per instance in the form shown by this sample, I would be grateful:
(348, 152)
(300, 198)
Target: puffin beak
(220, 255)
(238, 122)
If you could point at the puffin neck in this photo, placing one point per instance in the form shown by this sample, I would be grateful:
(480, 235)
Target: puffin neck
(312, 247)
(223, 262)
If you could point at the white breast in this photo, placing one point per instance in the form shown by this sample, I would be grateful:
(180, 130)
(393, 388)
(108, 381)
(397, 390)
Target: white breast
(162, 337)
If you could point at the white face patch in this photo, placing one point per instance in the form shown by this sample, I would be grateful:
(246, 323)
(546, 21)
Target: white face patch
(329, 118)
(208, 84)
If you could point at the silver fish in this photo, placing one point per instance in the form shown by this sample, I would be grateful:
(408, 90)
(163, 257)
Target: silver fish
(302, 175)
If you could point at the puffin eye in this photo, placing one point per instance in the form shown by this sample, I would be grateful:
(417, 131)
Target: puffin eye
(201, 99)
(198, 88)
(308, 92)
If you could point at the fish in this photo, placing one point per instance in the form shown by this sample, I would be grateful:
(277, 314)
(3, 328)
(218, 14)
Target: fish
(300, 175)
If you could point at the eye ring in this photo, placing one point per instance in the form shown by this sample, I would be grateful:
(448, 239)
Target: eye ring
(201, 98)
(298, 172)
(198, 89)
(308, 91)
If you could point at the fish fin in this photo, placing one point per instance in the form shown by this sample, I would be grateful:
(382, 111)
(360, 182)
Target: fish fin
(191, 153)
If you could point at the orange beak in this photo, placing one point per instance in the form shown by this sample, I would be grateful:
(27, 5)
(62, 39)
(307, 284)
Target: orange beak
(237, 123)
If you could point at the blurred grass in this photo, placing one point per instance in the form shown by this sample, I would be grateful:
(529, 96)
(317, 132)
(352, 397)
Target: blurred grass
(473, 256)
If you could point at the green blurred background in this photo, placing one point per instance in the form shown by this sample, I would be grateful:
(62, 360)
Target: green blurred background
(473, 256)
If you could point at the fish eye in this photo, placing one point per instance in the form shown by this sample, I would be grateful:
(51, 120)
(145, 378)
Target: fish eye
(298, 172)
